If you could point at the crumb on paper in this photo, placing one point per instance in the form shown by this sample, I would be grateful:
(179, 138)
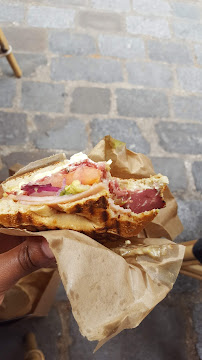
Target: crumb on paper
(127, 242)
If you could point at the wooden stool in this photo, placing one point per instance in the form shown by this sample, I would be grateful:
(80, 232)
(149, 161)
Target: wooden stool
(31, 349)
(6, 50)
(192, 262)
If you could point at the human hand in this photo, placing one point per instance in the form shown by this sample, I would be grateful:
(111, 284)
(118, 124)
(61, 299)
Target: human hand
(19, 256)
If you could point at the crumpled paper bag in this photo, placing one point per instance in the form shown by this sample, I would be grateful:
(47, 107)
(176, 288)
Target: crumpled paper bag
(110, 290)
(23, 298)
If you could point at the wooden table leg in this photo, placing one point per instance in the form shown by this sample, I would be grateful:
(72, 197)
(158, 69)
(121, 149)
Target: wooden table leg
(10, 57)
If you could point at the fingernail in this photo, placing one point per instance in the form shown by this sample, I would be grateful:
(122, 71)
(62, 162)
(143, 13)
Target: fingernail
(46, 249)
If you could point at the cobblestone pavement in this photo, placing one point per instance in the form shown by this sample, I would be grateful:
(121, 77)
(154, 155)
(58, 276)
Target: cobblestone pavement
(131, 68)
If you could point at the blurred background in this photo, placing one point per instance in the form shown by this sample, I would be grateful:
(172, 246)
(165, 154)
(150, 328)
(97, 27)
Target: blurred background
(131, 69)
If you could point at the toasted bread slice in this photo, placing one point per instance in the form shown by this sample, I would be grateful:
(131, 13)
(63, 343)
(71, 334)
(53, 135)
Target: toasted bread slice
(95, 215)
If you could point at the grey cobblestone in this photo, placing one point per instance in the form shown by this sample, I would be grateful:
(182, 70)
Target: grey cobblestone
(67, 43)
(187, 107)
(90, 101)
(34, 40)
(190, 78)
(198, 52)
(187, 30)
(197, 314)
(180, 138)
(65, 3)
(10, 133)
(124, 130)
(121, 47)
(42, 96)
(39, 16)
(168, 166)
(78, 68)
(7, 89)
(185, 284)
(115, 5)
(23, 158)
(149, 74)
(155, 338)
(31, 62)
(142, 103)
(170, 52)
(155, 27)
(186, 10)
(100, 21)
(12, 13)
(190, 214)
(152, 7)
(197, 173)
(68, 133)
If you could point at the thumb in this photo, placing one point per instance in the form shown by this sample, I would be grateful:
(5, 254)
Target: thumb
(30, 255)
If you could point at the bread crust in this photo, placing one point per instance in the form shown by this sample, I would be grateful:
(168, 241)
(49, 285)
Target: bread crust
(93, 217)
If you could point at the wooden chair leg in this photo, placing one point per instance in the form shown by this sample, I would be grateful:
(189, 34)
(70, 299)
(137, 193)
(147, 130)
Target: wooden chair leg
(10, 57)
(32, 351)
(192, 262)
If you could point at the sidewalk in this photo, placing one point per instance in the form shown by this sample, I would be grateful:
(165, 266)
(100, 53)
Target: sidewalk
(131, 69)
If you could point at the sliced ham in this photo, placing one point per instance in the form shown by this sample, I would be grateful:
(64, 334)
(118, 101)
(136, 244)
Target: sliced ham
(137, 201)
(140, 201)
(50, 200)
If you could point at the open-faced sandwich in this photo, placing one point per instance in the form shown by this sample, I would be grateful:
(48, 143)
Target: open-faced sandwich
(80, 194)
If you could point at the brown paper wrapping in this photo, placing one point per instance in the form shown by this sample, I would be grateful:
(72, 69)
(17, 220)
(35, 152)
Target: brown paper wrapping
(32, 295)
(109, 292)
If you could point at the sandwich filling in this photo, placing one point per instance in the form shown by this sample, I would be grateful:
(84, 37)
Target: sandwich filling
(81, 178)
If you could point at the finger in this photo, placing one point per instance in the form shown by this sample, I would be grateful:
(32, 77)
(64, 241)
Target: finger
(8, 242)
(25, 258)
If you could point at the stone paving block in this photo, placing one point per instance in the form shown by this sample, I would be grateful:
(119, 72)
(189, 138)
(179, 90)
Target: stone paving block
(142, 103)
(11, 134)
(21, 157)
(198, 52)
(185, 284)
(197, 173)
(189, 212)
(90, 101)
(39, 96)
(80, 68)
(186, 10)
(170, 52)
(61, 294)
(60, 133)
(12, 13)
(50, 17)
(47, 335)
(123, 130)
(67, 43)
(190, 78)
(187, 30)
(180, 138)
(197, 315)
(64, 3)
(121, 47)
(26, 39)
(155, 27)
(30, 63)
(161, 336)
(115, 5)
(153, 75)
(100, 21)
(187, 107)
(7, 89)
(152, 7)
(25, 157)
(174, 169)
